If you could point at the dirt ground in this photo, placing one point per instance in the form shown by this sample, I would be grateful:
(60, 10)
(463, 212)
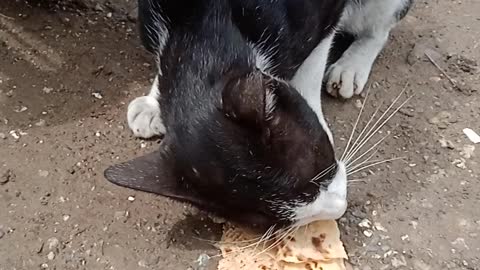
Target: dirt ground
(67, 74)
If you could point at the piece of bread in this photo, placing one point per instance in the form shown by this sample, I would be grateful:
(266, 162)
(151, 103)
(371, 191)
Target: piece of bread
(316, 246)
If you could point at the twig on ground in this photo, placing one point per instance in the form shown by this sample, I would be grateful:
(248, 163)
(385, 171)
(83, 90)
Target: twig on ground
(452, 81)
(6, 17)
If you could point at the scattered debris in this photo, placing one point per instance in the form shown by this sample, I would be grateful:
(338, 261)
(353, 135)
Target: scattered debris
(460, 163)
(365, 224)
(20, 109)
(472, 135)
(202, 261)
(53, 243)
(453, 82)
(43, 173)
(358, 104)
(377, 226)
(442, 120)
(6, 177)
(51, 256)
(467, 151)
(399, 262)
(40, 123)
(368, 233)
(97, 95)
(14, 134)
(47, 90)
(446, 143)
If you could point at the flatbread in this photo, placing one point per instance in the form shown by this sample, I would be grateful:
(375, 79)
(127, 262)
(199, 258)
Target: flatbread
(318, 241)
(316, 246)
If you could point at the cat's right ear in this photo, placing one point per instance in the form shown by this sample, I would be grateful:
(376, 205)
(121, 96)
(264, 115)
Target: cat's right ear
(248, 99)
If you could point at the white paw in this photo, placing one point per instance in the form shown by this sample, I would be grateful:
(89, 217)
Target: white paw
(347, 77)
(144, 117)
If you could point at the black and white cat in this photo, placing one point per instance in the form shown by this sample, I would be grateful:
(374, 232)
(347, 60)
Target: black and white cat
(237, 96)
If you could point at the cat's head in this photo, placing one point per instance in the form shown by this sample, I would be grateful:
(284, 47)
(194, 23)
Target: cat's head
(261, 155)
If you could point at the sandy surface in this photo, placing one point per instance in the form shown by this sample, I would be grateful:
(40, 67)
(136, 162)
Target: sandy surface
(67, 74)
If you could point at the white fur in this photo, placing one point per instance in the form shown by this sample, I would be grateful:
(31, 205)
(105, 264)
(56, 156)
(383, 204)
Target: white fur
(330, 203)
(270, 102)
(144, 115)
(370, 21)
(158, 33)
(308, 80)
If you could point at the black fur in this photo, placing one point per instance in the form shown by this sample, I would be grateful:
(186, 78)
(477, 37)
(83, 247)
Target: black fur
(226, 148)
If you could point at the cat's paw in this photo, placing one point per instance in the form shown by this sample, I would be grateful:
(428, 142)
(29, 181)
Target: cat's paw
(144, 117)
(347, 77)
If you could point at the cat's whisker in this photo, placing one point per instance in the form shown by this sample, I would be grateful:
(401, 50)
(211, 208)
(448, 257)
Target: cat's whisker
(361, 138)
(373, 147)
(351, 172)
(347, 146)
(356, 180)
(352, 167)
(265, 236)
(268, 235)
(377, 126)
(322, 174)
(278, 241)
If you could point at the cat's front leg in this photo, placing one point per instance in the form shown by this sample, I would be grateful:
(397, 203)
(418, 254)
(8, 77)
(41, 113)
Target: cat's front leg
(349, 75)
(144, 115)
(370, 22)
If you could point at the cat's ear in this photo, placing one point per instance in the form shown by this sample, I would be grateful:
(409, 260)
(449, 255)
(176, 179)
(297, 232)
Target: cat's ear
(153, 173)
(248, 99)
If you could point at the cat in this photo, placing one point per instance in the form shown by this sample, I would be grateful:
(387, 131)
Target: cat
(238, 99)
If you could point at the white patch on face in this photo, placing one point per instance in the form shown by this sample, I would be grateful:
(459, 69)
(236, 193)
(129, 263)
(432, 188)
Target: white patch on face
(330, 203)
(308, 80)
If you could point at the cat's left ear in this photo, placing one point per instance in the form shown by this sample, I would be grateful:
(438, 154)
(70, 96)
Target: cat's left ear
(153, 173)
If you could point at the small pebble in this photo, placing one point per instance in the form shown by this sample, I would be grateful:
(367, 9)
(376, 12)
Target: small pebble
(43, 173)
(51, 256)
(21, 109)
(131, 198)
(6, 177)
(97, 95)
(3, 136)
(368, 233)
(379, 227)
(40, 123)
(358, 104)
(66, 217)
(446, 144)
(365, 224)
(53, 243)
(14, 134)
(47, 90)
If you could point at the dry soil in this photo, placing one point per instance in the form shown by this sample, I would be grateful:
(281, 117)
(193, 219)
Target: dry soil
(68, 71)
